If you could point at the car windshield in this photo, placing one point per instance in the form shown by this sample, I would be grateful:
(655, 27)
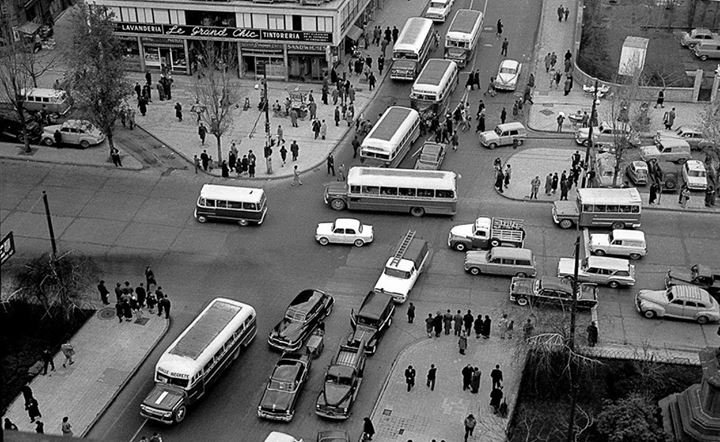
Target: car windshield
(396, 273)
(280, 385)
(498, 131)
(340, 380)
(295, 315)
(361, 320)
(507, 70)
(696, 173)
(437, 4)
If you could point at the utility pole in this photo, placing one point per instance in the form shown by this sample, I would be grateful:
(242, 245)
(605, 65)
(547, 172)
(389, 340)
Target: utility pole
(50, 226)
(571, 339)
(268, 148)
(590, 143)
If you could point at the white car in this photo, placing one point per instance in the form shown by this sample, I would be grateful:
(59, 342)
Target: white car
(694, 175)
(344, 231)
(508, 74)
(694, 137)
(619, 242)
(614, 272)
(438, 10)
(80, 133)
(276, 436)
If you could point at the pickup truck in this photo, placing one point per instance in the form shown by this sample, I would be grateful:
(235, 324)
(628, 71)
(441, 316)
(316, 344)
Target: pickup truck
(486, 233)
(371, 321)
(342, 383)
(404, 267)
(700, 275)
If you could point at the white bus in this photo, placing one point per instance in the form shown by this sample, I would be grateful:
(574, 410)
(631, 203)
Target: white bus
(434, 86)
(391, 137)
(395, 190)
(597, 207)
(412, 48)
(197, 358)
(463, 35)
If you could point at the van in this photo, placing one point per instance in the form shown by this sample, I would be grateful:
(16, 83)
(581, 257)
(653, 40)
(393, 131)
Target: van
(509, 261)
(51, 100)
(243, 205)
(619, 242)
(707, 49)
(503, 135)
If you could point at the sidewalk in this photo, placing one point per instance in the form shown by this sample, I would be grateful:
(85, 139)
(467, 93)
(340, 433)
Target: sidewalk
(107, 354)
(92, 156)
(422, 415)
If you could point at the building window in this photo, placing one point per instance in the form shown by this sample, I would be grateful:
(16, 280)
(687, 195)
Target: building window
(177, 17)
(309, 23)
(276, 22)
(324, 24)
(244, 20)
(260, 21)
(128, 15)
(161, 16)
(145, 15)
(114, 12)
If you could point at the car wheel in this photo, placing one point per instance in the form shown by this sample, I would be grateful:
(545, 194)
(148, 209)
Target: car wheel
(359, 243)
(613, 284)
(338, 204)
(180, 414)
(494, 242)
(670, 184)
(201, 219)
(649, 314)
(635, 256)
(474, 271)
(600, 252)
(617, 225)
(703, 57)
(566, 224)
(48, 141)
(522, 301)
(702, 320)
(521, 275)
(586, 143)
(324, 241)
(243, 222)
(417, 211)
(492, 145)
(84, 144)
(460, 247)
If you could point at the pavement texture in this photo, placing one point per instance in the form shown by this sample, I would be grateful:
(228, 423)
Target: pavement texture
(98, 156)
(107, 354)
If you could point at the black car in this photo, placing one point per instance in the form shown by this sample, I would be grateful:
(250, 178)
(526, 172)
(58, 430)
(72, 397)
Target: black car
(551, 290)
(11, 130)
(700, 275)
(284, 387)
(371, 321)
(305, 312)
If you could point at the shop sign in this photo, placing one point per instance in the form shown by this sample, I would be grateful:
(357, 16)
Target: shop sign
(306, 48)
(258, 45)
(221, 32)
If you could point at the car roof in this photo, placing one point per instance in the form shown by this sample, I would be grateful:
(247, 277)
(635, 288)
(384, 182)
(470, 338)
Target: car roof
(694, 165)
(347, 223)
(305, 300)
(633, 235)
(511, 125)
(687, 129)
(432, 148)
(508, 63)
(286, 370)
(690, 293)
(232, 193)
(277, 436)
(608, 263)
(511, 252)
(555, 283)
(667, 140)
(639, 164)
(375, 304)
(332, 435)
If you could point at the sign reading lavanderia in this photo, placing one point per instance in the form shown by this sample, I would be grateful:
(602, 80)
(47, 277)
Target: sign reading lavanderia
(221, 32)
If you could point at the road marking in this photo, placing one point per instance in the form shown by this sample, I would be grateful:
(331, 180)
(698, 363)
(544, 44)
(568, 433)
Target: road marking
(138, 430)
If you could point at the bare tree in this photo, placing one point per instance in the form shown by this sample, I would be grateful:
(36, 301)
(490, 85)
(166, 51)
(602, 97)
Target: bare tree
(710, 120)
(37, 64)
(215, 89)
(13, 79)
(97, 72)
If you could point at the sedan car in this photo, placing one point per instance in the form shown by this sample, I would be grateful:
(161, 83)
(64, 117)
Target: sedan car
(306, 311)
(508, 74)
(276, 436)
(333, 436)
(694, 175)
(678, 301)
(431, 156)
(80, 133)
(344, 231)
(284, 387)
(697, 35)
(637, 172)
(700, 275)
(551, 290)
(694, 137)
(607, 134)
(614, 272)
(12, 130)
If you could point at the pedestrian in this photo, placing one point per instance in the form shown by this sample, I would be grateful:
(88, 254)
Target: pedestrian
(467, 375)
(178, 112)
(534, 186)
(355, 145)
(337, 116)
(684, 196)
(164, 304)
(138, 89)
(115, 157)
(475, 380)
(294, 149)
(502, 325)
(528, 329)
(161, 91)
(410, 377)
(9, 425)
(381, 63)
(202, 131)
(411, 313)
(431, 375)
(566, 13)
(68, 351)
(592, 334)
(564, 188)
(567, 87)
(447, 321)
(554, 183)
(515, 110)
(486, 327)
(560, 119)
(330, 164)
(470, 423)
(341, 172)
(503, 115)
(454, 140)
(504, 49)
(119, 311)
(478, 326)
(438, 324)
(151, 301)
(457, 323)
(48, 359)
(296, 177)
(462, 342)
(371, 81)
(653, 193)
(499, 29)
(323, 130)
(547, 62)
(283, 154)
(395, 33)
(560, 13)
(368, 429)
(104, 292)
(660, 99)
(507, 175)
(293, 117)
(669, 119)
(710, 196)
(39, 427)
(548, 184)
(468, 322)
(499, 180)
(495, 397)
(497, 377)
(429, 325)
(66, 427)
(476, 79)
(481, 122)
(470, 82)
(196, 163)
(31, 405)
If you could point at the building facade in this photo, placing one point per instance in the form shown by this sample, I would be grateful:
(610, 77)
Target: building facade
(285, 40)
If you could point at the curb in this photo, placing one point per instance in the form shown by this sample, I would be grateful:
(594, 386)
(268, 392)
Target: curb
(31, 159)
(102, 411)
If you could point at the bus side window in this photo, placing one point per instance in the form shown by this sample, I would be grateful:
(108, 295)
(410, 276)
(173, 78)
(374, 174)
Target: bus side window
(426, 193)
(354, 189)
(444, 194)
(600, 208)
(587, 208)
(405, 191)
(221, 204)
(388, 191)
(635, 209)
(371, 190)
(234, 205)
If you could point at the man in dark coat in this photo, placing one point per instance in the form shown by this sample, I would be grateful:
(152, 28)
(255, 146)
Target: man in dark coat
(478, 325)
(141, 295)
(475, 380)
(368, 428)
(447, 321)
(104, 292)
(165, 302)
(486, 327)
(495, 398)
(457, 323)
(467, 322)
(497, 377)
(410, 377)
(467, 376)
(438, 324)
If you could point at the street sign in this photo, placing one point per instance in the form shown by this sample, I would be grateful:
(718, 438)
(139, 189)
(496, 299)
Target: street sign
(7, 248)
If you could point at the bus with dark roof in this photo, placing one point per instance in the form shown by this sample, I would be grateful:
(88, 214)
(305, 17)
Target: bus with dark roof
(197, 358)
(391, 137)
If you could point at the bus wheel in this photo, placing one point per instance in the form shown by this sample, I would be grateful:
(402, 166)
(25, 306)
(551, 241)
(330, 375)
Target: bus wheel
(338, 204)
(566, 224)
(417, 211)
(243, 222)
(180, 414)
(618, 225)
(201, 219)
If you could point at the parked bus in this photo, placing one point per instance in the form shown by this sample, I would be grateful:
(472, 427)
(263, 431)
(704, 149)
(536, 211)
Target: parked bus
(395, 190)
(434, 86)
(614, 208)
(197, 358)
(412, 48)
(391, 137)
(463, 35)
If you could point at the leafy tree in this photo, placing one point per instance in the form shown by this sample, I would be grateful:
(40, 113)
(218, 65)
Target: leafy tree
(630, 419)
(97, 73)
(14, 78)
(710, 121)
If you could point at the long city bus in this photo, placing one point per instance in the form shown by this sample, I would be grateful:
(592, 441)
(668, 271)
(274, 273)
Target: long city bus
(412, 48)
(416, 192)
(434, 86)
(595, 207)
(391, 137)
(463, 35)
(197, 358)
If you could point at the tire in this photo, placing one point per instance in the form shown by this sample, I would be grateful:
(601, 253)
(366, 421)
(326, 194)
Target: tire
(474, 271)
(324, 241)
(492, 146)
(565, 224)
(702, 320)
(417, 211)
(84, 144)
(494, 242)
(613, 284)
(48, 141)
(460, 247)
(649, 314)
(180, 414)
(338, 204)
(600, 252)
(586, 143)
(670, 184)
(522, 301)
(635, 256)
(617, 225)
(243, 222)
(703, 57)
(521, 275)
(201, 219)
(359, 243)
(390, 321)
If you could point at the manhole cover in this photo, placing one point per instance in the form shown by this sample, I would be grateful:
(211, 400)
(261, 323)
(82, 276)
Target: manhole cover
(387, 412)
(547, 112)
(142, 321)
(106, 313)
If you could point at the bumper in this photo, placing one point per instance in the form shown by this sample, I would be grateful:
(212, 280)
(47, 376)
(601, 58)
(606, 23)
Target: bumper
(156, 415)
(332, 414)
(284, 346)
(282, 417)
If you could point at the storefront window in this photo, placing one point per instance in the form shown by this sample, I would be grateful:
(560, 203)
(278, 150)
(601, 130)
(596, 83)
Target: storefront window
(206, 18)
(131, 52)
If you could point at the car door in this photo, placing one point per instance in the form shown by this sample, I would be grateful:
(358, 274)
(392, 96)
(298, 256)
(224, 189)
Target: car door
(68, 135)
(675, 308)
(504, 138)
(350, 235)
(338, 235)
(479, 239)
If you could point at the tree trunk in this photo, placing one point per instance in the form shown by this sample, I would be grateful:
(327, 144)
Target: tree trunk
(219, 150)
(111, 142)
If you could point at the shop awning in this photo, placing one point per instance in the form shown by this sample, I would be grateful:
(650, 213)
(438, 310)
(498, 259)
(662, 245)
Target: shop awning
(29, 28)
(354, 33)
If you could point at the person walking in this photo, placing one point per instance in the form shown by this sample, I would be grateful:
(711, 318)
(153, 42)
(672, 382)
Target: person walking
(368, 429)
(560, 120)
(566, 13)
(411, 313)
(68, 351)
(438, 324)
(468, 322)
(323, 130)
(66, 427)
(447, 321)
(507, 175)
(283, 154)
(429, 325)
(502, 325)
(499, 29)
(295, 150)
(548, 184)
(457, 323)
(330, 164)
(8, 425)
(470, 423)
(462, 342)
(495, 397)
(684, 196)
(104, 292)
(503, 116)
(202, 131)
(669, 119)
(48, 359)
(487, 323)
(475, 380)
(660, 99)
(31, 405)
(410, 377)
(653, 193)
(528, 329)
(534, 187)
(504, 46)
(554, 183)
(178, 111)
(431, 376)
(341, 173)
(497, 377)
(296, 177)
(592, 334)
(560, 13)
(466, 376)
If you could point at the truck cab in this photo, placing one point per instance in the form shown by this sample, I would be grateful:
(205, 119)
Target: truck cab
(404, 267)
(342, 383)
(165, 403)
(485, 233)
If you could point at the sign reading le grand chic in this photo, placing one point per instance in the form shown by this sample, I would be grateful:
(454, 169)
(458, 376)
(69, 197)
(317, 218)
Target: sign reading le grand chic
(221, 32)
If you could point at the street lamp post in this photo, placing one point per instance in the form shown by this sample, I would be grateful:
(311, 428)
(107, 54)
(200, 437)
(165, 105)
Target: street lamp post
(590, 143)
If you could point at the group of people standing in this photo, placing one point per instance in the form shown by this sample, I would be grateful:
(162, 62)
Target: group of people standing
(130, 302)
